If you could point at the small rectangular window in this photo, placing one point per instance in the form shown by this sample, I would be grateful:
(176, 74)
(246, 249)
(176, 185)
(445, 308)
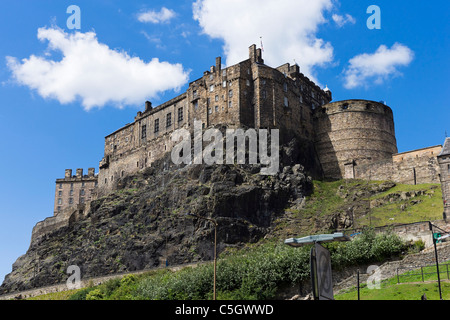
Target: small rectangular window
(70, 200)
(216, 108)
(82, 192)
(168, 120)
(180, 114)
(156, 125)
(60, 194)
(286, 102)
(230, 93)
(195, 105)
(144, 132)
(209, 110)
(60, 201)
(60, 185)
(230, 104)
(211, 88)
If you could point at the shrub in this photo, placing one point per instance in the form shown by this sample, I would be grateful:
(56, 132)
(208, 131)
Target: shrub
(81, 294)
(95, 294)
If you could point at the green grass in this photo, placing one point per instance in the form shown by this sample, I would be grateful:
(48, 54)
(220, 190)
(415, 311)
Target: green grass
(430, 207)
(411, 286)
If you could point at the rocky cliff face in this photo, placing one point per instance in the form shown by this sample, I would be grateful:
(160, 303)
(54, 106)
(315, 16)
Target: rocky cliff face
(143, 223)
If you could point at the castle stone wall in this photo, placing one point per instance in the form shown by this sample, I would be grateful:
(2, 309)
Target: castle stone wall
(413, 167)
(353, 131)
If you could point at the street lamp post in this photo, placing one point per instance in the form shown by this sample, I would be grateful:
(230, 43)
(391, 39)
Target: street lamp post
(215, 247)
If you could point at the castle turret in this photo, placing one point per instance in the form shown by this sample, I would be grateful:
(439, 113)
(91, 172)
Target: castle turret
(351, 133)
(444, 165)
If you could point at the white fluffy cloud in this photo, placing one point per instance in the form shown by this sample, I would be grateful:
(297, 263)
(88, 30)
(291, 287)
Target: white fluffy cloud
(164, 15)
(288, 29)
(343, 20)
(377, 66)
(94, 73)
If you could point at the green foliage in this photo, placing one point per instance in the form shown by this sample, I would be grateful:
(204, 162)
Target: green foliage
(95, 294)
(81, 294)
(248, 274)
(365, 248)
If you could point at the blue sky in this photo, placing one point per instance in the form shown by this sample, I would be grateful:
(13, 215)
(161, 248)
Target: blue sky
(64, 90)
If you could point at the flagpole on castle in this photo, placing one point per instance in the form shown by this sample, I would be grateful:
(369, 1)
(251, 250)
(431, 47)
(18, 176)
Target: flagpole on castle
(262, 47)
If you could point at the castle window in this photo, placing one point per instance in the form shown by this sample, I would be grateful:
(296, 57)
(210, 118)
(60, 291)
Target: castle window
(71, 186)
(286, 102)
(60, 194)
(59, 209)
(230, 93)
(60, 185)
(144, 132)
(264, 94)
(180, 114)
(209, 110)
(195, 93)
(211, 88)
(217, 98)
(70, 200)
(224, 84)
(211, 77)
(344, 106)
(156, 125)
(169, 120)
(60, 201)
(195, 105)
(301, 99)
(230, 104)
(81, 200)
(248, 83)
(71, 193)
(83, 184)
(224, 72)
(285, 87)
(216, 108)
(82, 192)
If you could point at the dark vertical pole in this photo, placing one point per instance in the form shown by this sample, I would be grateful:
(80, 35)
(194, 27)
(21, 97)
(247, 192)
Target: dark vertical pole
(437, 267)
(421, 270)
(437, 261)
(215, 257)
(357, 280)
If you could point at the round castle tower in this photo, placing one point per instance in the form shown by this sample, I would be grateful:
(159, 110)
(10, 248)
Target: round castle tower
(353, 132)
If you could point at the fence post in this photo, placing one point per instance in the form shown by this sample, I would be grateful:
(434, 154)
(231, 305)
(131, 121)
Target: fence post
(448, 278)
(398, 279)
(421, 270)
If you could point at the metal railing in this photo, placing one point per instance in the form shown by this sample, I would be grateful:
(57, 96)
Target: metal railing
(423, 274)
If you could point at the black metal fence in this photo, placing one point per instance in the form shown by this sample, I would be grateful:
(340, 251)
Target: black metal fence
(423, 273)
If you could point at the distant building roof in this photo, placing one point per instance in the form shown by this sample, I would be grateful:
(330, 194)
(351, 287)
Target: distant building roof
(446, 149)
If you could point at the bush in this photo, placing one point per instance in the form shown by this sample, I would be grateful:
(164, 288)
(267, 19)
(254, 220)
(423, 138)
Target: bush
(95, 294)
(81, 294)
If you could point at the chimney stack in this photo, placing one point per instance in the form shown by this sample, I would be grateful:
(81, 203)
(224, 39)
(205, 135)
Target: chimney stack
(68, 174)
(148, 106)
(252, 53)
(218, 64)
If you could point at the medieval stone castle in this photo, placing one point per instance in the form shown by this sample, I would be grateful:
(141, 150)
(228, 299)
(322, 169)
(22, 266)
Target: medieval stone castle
(352, 139)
